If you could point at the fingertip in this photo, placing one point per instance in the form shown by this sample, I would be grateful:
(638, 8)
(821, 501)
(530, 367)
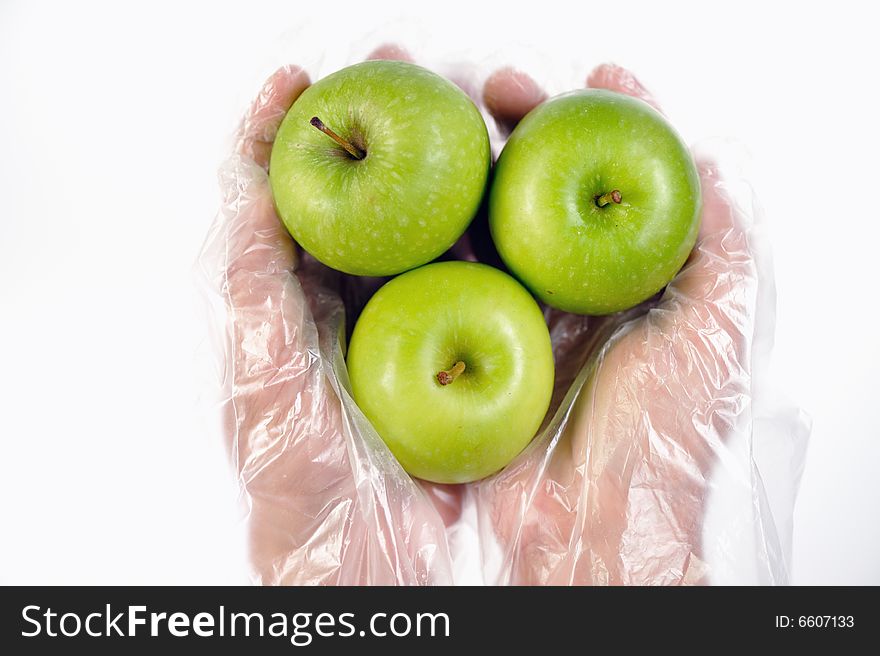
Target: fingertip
(509, 94)
(287, 74)
(390, 52)
(268, 109)
(620, 80)
(279, 92)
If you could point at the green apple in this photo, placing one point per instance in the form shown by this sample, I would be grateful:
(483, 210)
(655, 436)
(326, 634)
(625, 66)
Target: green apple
(453, 366)
(595, 203)
(379, 167)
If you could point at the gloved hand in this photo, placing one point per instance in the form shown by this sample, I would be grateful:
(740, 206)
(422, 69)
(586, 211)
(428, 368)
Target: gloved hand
(615, 491)
(612, 489)
(325, 504)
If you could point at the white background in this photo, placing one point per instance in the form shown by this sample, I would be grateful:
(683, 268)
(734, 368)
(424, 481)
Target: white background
(114, 118)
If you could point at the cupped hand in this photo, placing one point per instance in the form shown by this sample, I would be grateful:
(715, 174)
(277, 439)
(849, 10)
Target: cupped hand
(324, 505)
(614, 492)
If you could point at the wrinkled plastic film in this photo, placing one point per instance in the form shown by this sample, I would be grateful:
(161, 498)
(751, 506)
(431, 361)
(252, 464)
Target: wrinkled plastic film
(320, 489)
(657, 429)
(665, 458)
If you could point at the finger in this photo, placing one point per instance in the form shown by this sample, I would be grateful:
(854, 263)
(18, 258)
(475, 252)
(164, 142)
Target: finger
(392, 52)
(256, 241)
(267, 111)
(616, 78)
(510, 94)
(257, 245)
(721, 263)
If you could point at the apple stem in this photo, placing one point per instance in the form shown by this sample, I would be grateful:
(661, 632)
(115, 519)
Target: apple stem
(611, 197)
(354, 151)
(446, 377)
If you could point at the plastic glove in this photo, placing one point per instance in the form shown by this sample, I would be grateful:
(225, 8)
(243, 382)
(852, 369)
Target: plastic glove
(613, 488)
(614, 491)
(320, 509)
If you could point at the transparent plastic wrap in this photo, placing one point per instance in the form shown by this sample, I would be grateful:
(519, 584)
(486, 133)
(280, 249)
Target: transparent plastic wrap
(665, 457)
